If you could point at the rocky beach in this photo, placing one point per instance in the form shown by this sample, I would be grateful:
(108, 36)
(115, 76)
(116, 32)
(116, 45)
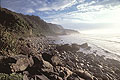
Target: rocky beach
(42, 60)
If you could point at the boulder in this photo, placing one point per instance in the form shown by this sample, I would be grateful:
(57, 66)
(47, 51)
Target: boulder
(47, 67)
(47, 56)
(41, 77)
(20, 65)
(65, 47)
(25, 77)
(56, 61)
(84, 74)
(75, 47)
(85, 45)
(74, 76)
(5, 64)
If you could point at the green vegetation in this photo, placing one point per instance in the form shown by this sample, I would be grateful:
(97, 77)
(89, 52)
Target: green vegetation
(12, 76)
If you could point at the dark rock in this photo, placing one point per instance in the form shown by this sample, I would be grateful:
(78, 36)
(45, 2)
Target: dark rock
(75, 47)
(41, 77)
(104, 77)
(70, 64)
(74, 76)
(88, 48)
(47, 56)
(35, 63)
(21, 39)
(5, 64)
(37, 58)
(84, 74)
(62, 74)
(85, 45)
(65, 47)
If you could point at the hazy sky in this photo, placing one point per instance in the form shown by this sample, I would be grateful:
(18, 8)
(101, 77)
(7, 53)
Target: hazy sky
(75, 14)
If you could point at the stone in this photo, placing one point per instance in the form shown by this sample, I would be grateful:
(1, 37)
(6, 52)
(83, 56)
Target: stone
(31, 61)
(74, 76)
(84, 74)
(62, 75)
(25, 77)
(47, 56)
(41, 77)
(75, 47)
(20, 65)
(59, 78)
(56, 61)
(65, 47)
(5, 64)
(21, 39)
(85, 45)
(47, 67)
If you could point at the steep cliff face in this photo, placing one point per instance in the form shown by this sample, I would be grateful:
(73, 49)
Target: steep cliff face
(59, 30)
(38, 25)
(12, 22)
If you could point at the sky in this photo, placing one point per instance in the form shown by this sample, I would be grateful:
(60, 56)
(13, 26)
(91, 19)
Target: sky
(74, 14)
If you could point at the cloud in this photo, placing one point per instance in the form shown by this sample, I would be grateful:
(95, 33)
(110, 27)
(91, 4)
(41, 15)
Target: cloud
(38, 5)
(69, 12)
(30, 11)
(90, 12)
(58, 5)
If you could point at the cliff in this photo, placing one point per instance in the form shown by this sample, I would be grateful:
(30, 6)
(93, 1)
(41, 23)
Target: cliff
(24, 24)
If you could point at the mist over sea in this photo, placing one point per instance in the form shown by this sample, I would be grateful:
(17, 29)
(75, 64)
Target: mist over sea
(105, 44)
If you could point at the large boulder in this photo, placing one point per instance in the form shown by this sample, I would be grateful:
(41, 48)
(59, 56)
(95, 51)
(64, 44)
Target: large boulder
(20, 65)
(75, 47)
(85, 45)
(47, 56)
(63, 72)
(65, 47)
(47, 67)
(56, 61)
(84, 74)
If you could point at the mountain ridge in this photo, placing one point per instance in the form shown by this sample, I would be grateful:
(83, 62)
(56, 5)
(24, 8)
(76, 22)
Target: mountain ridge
(29, 22)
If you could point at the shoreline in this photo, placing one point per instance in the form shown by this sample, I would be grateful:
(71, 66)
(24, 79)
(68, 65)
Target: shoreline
(101, 51)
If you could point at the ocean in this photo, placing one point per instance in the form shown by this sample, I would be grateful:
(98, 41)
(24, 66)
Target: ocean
(105, 44)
